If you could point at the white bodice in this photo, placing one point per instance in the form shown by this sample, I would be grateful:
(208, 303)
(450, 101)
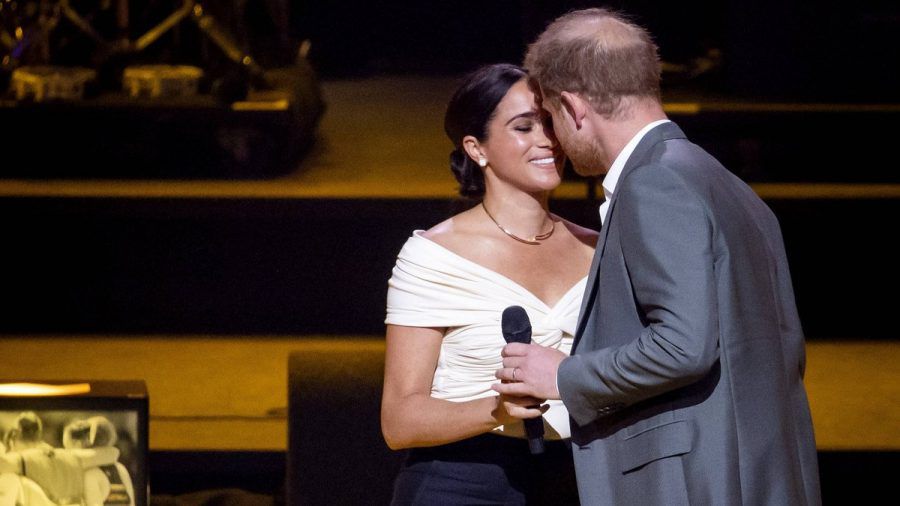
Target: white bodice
(433, 287)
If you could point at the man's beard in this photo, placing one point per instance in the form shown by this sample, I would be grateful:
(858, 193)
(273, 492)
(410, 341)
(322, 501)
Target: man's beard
(586, 157)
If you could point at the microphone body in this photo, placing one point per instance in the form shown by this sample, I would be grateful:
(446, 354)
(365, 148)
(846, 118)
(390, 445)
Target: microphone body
(516, 328)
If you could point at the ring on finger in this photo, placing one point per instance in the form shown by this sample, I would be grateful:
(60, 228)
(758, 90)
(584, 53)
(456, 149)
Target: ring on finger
(514, 373)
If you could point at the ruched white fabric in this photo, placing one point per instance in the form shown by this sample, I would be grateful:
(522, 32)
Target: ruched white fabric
(433, 287)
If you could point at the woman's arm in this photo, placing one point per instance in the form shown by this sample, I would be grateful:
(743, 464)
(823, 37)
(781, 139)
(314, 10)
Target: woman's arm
(410, 417)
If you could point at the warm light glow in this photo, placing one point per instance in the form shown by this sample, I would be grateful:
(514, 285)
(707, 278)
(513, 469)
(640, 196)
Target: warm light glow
(42, 390)
(261, 105)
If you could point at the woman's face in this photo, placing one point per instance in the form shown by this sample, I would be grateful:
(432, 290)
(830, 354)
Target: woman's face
(520, 147)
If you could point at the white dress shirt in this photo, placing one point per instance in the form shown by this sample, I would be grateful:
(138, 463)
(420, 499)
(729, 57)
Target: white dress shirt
(615, 170)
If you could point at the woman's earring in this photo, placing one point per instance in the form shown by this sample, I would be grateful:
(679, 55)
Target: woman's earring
(482, 161)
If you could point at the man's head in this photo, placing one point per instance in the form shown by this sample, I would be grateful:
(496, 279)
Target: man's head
(27, 432)
(593, 61)
(599, 55)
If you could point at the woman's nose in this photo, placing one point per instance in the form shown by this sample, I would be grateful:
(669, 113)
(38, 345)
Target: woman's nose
(547, 136)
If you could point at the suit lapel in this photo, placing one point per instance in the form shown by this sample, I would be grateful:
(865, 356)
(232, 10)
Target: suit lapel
(590, 289)
(661, 133)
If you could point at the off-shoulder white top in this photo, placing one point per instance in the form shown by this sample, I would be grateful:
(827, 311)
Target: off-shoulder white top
(433, 287)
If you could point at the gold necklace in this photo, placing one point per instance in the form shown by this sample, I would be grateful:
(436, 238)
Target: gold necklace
(534, 240)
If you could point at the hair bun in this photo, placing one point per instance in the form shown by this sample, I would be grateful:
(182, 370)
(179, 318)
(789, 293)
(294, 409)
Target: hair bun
(467, 173)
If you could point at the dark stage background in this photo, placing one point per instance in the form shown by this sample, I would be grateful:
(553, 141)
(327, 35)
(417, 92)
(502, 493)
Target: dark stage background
(796, 49)
(173, 264)
(320, 266)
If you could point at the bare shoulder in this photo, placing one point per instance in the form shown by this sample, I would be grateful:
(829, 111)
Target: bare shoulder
(440, 230)
(585, 235)
(454, 232)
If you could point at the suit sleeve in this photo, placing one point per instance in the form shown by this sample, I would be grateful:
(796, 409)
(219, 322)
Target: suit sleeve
(666, 244)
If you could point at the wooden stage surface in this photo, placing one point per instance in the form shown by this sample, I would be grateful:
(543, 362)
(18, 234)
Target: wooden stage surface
(382, 137)
(230, 393)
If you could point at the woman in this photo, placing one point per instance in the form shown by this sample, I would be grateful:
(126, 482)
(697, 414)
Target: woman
(448, 290)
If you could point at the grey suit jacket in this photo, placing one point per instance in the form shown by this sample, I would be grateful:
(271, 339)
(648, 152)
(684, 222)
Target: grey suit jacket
(685, 383)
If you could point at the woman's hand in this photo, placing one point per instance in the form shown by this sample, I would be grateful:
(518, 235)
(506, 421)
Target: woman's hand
(513, 409)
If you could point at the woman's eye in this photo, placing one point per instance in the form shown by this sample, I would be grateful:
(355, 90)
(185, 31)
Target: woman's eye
(524, 128)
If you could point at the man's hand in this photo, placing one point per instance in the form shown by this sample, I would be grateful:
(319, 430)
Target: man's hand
(529, 370)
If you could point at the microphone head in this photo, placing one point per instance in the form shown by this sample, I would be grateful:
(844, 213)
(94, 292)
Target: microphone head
(515, 325)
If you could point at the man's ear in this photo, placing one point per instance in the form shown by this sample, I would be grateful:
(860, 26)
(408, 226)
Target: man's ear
(575, 106)
(473, 148)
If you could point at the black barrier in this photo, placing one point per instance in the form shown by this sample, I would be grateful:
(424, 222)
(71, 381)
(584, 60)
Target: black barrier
(258, 266)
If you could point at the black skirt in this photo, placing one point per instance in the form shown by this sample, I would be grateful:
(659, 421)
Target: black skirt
(487, 470)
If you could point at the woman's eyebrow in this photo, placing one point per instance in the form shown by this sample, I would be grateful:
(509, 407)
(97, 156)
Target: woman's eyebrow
(529, 115)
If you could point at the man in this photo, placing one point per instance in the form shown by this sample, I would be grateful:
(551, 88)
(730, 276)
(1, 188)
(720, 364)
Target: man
(685, 381)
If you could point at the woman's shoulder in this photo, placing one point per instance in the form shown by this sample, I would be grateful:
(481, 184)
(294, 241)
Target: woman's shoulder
(439, 231)
(453, 233)
(586, 235)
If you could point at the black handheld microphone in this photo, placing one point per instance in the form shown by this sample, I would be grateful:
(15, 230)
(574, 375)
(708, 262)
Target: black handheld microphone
(517, 329)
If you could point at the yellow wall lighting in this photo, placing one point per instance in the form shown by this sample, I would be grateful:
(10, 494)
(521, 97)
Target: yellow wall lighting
(42, 390)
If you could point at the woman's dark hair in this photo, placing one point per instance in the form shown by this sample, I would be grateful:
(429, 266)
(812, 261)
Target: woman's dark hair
(470, 110)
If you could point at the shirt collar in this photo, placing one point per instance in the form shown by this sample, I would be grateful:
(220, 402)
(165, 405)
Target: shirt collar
(615, 170)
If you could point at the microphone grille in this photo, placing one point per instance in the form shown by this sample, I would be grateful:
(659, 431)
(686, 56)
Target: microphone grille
(514, 320)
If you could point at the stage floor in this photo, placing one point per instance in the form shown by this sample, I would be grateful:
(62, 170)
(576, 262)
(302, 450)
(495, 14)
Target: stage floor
(226, 393)
(382, 137)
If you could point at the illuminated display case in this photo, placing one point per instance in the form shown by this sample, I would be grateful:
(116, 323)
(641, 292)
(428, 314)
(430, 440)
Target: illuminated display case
(74, 442)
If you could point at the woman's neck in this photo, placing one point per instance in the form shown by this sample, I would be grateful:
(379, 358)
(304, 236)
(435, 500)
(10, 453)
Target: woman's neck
(523, 214)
